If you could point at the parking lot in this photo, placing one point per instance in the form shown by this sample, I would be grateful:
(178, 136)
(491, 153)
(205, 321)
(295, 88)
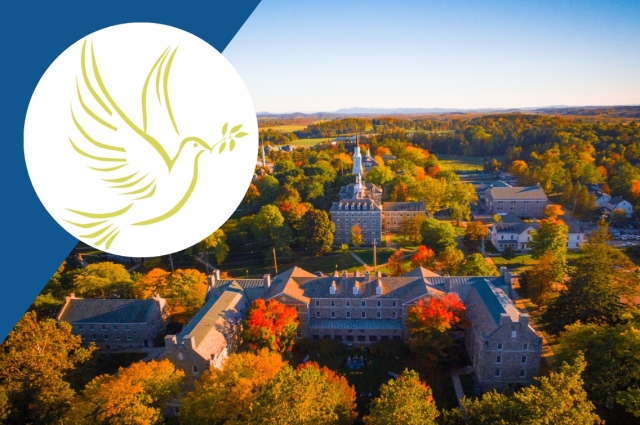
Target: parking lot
(624, 235)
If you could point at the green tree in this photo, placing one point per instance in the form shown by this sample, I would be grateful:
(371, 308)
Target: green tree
(34, 360)
(356, 235)
(316, 232)
(619, 215)
(509, 253)
(461, 196)
(270, 229)
(215, 243)
(539, 282)
(558, 399)
(405, 400)
(103, 279)
(138, 395)
(433, 191)
(380, 175)
(450, 260)
(551, 236)
(477, 265)
(321, 397)
(438, 235)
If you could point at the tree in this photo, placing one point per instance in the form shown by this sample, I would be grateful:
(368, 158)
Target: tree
(268, 227)
(461, 195)
(552, 235)
(509, 253)
(433, 191)
(308, 395)
(316, 232)
(102, 279)
(270, 325)
(344, 248)
(438, 235)
(476, 231)
(400, 192)
(520, 170)
(477, 265)
(380, 175)
(553, 211)
(395, 263)
(612, 354)
(138, 394)
(539, 281)
(567, 192)
(405, 400)
(34, 360)
(183, 288)
(450, 260)
(228, 395)
(413, 229)
(356, 235)
(430, 323)
(619, 215)
(497, 218)
(424, 257)
(558, 399)
(156, 281)
(215, 243)
(598, 281)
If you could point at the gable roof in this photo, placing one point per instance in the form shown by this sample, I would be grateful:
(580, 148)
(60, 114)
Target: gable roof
(289, 282)
(78, 310)
(518, 192)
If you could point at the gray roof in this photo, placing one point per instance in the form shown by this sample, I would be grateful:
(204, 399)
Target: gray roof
(615, 201)
(403, 206)
(507, 193)
(254, 288)
(355, 324)
(485, 305)
(107, 311)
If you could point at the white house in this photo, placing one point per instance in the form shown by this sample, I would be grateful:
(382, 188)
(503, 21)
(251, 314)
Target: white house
(618, 203)
(515, 233)
(602, 199)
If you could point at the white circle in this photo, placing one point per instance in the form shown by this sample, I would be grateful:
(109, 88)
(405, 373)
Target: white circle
(161, 199)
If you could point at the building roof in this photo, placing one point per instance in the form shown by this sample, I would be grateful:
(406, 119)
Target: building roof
(289, 283)
(486, 304)
(364, 204)
(615, 201)
(254, 288)
(403, 206)
(508, 193)
(79, 310)
(512, 224)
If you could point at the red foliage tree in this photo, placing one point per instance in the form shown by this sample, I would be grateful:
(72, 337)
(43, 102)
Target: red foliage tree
(270, 325)
(425, 257)
(394, 263)
(435, 314)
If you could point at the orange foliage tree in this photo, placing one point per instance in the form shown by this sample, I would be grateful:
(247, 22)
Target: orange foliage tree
(635, 189)
(553, 210)
(394, 263)
(270, 324)
(424, 257)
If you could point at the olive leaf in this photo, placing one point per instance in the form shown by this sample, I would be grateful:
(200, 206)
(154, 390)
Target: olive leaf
(224, 128)
(236, 128)
(232, 145)
(241, 134)
(222, 146)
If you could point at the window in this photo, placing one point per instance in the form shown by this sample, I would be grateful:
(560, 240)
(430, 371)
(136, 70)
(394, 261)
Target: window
(333, 303)
(317, 314)
(378, 315)
(333, 314)
(91, 327)
(298, 334)
(523, 360)
(349, 338)
(348, 303)
(104, 327)
(379, 303)
(338, 337)
(317, 303)
(497, 373)
(126, 327)
(93, 337)
(361, 338)
(363, 314)
(176, 409)
(498, 359)
(116, 326)
(80, 327)
(348, 315)
(363, 303)
(117, 337)
(395, 315)
(373, 338)
(194, 368)
(106, 337)
(523, 373)
(395, 303)
(499, 346)
(129, 337)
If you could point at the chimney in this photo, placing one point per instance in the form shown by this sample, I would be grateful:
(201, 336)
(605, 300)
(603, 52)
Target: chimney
(332, 288)
(356, 288)
(378, 274)
(379, 287)
(505, 319)
(505, 275)
(367, 275)
(447, 283)
(211, 281)
(267, 280)
(524, 319)
(344, 275)
(170, 340)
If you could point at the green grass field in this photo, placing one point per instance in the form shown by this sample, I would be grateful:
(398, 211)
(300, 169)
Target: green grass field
(285, 128)
(461, 163)
(309, 142)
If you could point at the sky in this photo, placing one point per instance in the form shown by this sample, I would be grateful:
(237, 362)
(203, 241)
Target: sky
(323, 55)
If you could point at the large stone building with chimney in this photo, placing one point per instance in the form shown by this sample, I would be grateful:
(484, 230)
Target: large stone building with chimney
(361, 203)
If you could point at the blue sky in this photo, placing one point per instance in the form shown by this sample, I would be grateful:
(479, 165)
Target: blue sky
(324, 55)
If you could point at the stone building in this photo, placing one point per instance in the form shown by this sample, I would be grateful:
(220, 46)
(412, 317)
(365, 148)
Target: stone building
(364, 212)
(115, 324)
(395, 213)
(521, 201)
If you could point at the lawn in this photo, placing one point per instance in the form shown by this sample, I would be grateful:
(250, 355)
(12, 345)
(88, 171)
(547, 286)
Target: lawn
(461, 163)
(390, 357)
(308, 142)
(366, 254)
(399, 239)
(285, 128)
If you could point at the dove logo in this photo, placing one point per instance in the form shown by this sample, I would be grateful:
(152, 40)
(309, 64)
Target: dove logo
(141, 140)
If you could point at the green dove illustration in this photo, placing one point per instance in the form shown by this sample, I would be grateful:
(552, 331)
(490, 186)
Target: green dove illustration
(115, 167)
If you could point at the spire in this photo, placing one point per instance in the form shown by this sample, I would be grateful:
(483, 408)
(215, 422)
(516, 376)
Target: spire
(357, 159)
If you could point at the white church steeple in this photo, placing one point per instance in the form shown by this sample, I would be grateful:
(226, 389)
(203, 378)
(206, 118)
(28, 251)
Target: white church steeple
(357, 159)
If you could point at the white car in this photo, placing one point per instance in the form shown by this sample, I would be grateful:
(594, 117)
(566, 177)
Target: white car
(624, 237)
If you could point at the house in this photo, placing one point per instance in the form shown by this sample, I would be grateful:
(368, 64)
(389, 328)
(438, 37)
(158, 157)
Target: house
(617, 203)
(602, 199)
(521, 201)
(363, 308)
(513, 232)
(115, 324)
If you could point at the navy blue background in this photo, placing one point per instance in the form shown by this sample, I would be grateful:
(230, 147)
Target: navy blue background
(33, 34)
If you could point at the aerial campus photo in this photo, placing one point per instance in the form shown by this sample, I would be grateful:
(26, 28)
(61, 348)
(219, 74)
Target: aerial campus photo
(443, 227)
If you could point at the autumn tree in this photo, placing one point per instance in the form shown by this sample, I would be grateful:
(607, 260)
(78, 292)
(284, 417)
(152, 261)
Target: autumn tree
(270, 325)
(228, 395)
(380, 175)
(138, 394)
(461, 195)
(553, 211)
(413, 229)
(619, 215)
(551, 236)
(395, 263)
(438, 235)
(430, 322)
(34, 360)
(520, 170)
(476, 231)
(477, 265)
(450, 260)
(558, 399)
(184, 289)
(316, 232)
(405, 400)
(215, 244)
(424, 257)
(540, 281)
(100, 280)
(320, 397)
(356, 235)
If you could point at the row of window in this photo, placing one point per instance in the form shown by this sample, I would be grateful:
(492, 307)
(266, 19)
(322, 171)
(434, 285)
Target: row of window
(359, 338)
(522, 374)
(500, 346)
(514, 202)
(106, 327)
(364, 206)
(364, 234)
(363, 303)
(523, 360)
(364, 221)
(363, 315)
(105, 337)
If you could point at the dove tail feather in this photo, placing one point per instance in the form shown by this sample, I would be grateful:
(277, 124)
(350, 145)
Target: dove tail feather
(97, 158)
(141, 190)
(91, 139)
(87, 225)
(121, 179)
(159, 61)
(111, 239)
(106, 237)
(148, 195)
(88, 83)
(165, 84)
(102, 215)
(164, 57)
(97, 232)
(91, 113)
(130, 184)
(117, 167)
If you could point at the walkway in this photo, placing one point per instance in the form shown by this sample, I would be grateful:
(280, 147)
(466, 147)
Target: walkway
(457, 384)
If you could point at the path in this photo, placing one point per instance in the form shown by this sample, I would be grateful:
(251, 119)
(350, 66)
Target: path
(457, 384)
(200, 260)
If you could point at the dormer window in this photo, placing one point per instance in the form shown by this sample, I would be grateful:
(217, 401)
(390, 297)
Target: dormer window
(332, 289)
(339, 206)
(356, 290)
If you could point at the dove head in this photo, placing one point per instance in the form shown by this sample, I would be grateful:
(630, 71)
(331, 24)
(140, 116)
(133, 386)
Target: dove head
(196, 143)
